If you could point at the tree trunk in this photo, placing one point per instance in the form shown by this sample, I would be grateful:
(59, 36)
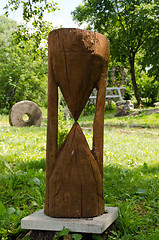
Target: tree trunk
(133, 79)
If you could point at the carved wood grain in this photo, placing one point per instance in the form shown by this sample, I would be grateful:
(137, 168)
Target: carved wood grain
(77, 63)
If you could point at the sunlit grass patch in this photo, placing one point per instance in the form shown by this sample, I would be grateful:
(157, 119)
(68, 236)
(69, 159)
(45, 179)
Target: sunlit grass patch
(4, 120)
(130, 147)
(131, 178)
(142, 119)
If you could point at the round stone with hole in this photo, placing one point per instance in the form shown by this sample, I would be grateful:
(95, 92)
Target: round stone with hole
(25, 113)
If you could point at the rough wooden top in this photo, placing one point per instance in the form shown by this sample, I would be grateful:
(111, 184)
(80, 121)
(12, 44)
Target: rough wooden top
(78, 59)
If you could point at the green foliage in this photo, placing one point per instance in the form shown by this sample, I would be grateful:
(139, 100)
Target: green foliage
(23, 58)
(65, 232)
(148, 88)
(124, 22)
(110, 106)
(4, 111)
(89, 108)
(63, 129)
(33, 12)
(97, 237)
(130, 27)
(31, 9)
(9, 219)
(22, 77)
(77, 236)
(151, 52)
(6, 28)
(62, 233)
(37, 37)
(21, 80)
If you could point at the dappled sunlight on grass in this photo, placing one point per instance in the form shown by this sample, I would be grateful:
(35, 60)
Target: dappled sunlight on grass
(131, 176)
(4, 120)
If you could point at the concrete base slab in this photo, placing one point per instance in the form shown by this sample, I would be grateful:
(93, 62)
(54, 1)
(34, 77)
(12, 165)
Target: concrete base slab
(39, 221)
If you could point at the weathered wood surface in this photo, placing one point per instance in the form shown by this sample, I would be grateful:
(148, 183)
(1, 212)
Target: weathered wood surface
(98, 124)
(78, 61)
(52, 127)
(78, 58)
(76, 183)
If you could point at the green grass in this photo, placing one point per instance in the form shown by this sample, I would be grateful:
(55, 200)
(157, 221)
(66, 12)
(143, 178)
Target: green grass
(22, 182)
(4, 120)
(131, 178)
(142, 119)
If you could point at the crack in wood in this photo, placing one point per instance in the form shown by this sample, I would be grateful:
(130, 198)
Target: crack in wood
(74, 173)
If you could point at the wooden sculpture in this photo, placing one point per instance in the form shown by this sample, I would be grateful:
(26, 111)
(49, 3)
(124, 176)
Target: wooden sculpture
(78, 62)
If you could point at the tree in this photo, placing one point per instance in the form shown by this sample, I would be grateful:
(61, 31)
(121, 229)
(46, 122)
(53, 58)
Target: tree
(6, 28)
(129, 24)
(23, 62)
(21, 77)
(151, 53)
(37, 37)
(33, 12)
(31, 9)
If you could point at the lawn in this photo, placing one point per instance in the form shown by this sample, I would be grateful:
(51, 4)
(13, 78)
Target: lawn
(143, 118)
(131, 175)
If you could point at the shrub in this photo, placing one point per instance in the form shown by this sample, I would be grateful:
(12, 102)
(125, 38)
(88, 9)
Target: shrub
(148, 88)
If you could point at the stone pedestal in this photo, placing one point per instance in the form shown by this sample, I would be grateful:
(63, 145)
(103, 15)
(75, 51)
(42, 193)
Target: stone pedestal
(40, 221)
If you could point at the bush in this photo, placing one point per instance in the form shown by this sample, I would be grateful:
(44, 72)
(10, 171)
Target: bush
(148, 88)
(22, 78)
(23, 75)
(4, 111)
(89, 108)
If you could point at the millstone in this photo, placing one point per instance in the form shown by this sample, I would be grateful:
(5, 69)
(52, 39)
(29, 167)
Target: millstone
(28, 108)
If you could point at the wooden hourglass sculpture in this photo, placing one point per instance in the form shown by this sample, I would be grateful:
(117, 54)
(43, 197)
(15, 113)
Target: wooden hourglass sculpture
(78, 62)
